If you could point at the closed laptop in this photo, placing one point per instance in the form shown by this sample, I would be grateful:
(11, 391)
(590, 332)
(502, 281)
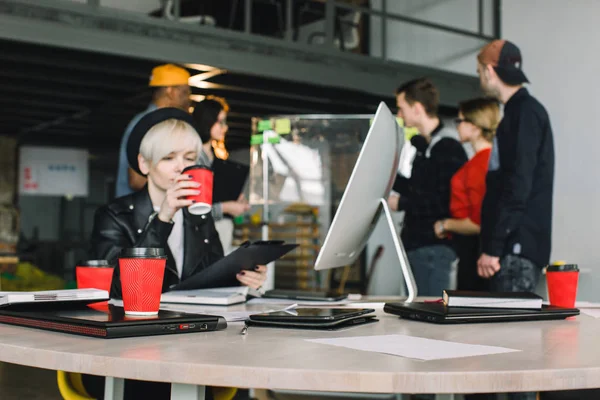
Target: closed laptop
(440, 314)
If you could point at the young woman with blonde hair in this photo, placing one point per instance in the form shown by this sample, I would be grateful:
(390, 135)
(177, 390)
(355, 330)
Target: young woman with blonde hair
(476, 123)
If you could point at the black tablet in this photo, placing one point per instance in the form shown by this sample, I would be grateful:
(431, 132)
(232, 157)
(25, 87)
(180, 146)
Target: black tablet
(312, 314)
(314, 318)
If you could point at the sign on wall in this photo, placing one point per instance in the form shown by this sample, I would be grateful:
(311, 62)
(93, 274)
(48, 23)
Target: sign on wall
(53, 171)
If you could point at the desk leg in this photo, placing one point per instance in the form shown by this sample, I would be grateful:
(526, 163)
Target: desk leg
(114, 388)
(181, 391)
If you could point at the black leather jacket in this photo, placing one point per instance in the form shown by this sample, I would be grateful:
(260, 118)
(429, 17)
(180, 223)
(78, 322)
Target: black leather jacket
(130, 221)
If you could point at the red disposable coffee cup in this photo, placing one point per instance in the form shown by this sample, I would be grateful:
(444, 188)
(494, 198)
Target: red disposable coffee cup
(562, 284)
(96, 274)
(142, 270)
(203, 201)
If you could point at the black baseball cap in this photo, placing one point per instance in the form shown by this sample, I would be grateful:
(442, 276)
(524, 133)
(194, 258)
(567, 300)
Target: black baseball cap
(506, 59)
(145, 124)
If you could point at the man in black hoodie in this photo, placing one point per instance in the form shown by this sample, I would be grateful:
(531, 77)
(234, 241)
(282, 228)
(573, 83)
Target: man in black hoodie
(516, 217)
(425, 196)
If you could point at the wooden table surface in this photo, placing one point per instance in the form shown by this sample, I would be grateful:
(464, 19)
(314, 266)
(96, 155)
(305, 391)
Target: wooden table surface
(556, 355)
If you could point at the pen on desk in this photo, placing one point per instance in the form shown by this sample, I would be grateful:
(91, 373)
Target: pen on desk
(244, 329)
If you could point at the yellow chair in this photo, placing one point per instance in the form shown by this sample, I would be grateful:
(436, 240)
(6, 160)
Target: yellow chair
(223, 393)
(71, 387)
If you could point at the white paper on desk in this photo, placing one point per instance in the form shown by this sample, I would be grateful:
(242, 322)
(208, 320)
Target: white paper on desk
(586, 304)
(580, 304)
(592, 312)
(230, 316)
(263, 300)
(413, 347)
(376, 306)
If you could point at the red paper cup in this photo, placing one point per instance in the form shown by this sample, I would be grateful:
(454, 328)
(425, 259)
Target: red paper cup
(562, 284)
(142, 271)
(204, 176)
(96, 274)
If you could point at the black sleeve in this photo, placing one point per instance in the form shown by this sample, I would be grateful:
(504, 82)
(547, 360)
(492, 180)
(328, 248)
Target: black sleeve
(401, 185)
(216, 249)
(518, 151)
(109, 235)
(432, 198)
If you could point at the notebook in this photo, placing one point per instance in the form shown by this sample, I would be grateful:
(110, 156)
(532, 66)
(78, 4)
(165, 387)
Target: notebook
(218, 296)
(439, 313)
(464, 298)
(109, 322)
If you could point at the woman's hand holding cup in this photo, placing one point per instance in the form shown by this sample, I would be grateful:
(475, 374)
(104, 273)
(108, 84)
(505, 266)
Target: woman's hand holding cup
(175, 198)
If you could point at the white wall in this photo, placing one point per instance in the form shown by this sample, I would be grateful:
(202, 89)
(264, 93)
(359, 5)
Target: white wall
(414, 44)
(558, 40)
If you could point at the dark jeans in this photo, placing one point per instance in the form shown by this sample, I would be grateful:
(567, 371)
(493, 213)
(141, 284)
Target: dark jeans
(467, 251)
(517, 274)
(431, 267)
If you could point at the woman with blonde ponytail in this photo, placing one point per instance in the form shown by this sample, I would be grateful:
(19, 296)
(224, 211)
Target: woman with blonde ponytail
(476, 123)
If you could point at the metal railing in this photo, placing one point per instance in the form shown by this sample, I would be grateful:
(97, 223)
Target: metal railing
(332, 21)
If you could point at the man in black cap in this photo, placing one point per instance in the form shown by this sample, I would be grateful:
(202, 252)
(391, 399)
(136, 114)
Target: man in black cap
(516, 216)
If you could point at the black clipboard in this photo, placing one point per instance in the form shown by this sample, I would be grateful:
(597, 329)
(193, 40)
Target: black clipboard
(247, 256)
(229, 180)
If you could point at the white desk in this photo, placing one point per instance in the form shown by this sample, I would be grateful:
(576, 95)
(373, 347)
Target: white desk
(556, 355)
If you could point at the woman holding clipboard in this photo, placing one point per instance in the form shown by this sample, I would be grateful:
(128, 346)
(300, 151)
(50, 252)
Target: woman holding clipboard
(161, 145)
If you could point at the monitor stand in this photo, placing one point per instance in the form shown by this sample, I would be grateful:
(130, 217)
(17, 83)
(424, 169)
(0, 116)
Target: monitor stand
(401, 253)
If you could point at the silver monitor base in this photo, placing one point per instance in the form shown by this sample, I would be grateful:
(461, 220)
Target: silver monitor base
(409, 279)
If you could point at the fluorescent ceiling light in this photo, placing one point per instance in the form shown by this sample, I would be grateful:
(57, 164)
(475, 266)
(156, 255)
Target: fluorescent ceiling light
(200, 67)
(196, 80)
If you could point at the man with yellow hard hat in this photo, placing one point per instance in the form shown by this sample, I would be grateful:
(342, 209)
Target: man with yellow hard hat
(170, 89)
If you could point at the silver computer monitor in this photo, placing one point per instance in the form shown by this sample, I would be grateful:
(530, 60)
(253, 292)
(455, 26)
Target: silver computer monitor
(365, 196)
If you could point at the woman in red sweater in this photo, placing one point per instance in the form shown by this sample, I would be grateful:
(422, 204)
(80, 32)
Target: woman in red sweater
(476, 123)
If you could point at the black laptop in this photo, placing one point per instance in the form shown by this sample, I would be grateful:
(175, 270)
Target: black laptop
(438, 313)
(110, 321)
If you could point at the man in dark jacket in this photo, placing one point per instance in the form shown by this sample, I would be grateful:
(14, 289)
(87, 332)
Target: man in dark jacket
(516, 220)
(516, 215)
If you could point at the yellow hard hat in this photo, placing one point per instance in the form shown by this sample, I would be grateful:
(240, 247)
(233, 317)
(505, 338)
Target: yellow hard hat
(169, 75)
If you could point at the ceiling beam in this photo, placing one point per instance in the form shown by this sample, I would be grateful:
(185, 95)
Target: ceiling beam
(59, 92)
(70, 77)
